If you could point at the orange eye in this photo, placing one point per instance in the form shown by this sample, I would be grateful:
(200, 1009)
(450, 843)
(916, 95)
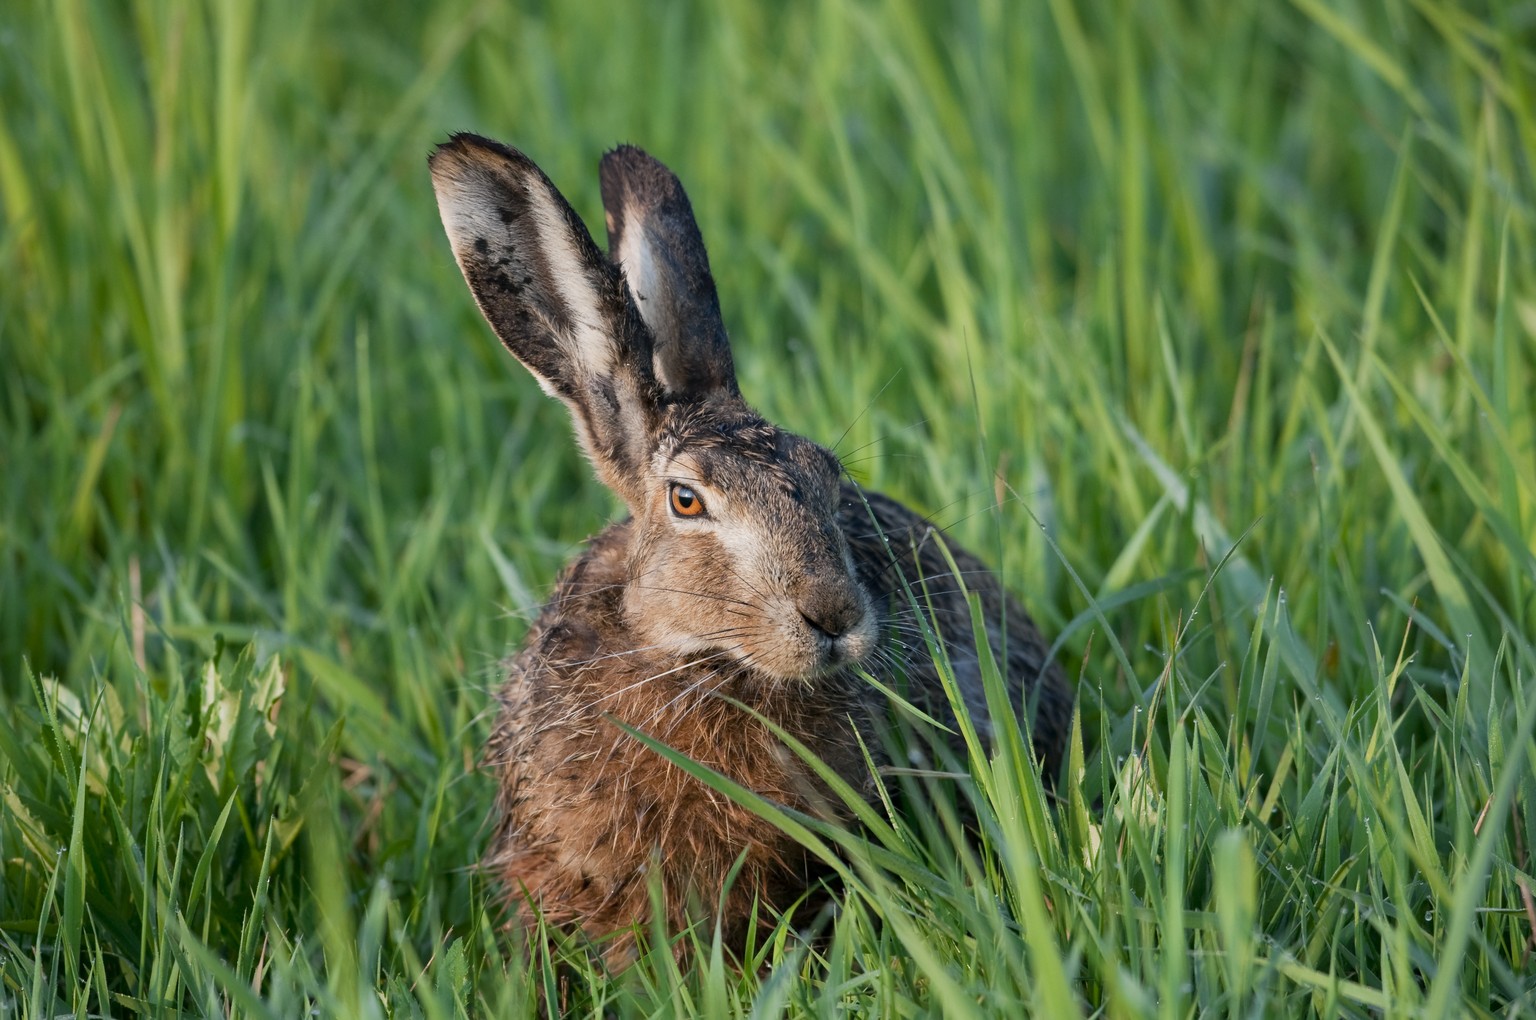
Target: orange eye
(686, 502)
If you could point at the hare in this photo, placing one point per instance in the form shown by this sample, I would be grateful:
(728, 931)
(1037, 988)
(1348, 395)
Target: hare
(750, 581)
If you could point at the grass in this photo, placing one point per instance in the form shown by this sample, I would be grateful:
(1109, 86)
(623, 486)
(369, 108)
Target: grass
(1213, 326)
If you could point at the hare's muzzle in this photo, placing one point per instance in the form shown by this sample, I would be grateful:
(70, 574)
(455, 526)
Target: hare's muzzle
(833, 614)
(839, 617)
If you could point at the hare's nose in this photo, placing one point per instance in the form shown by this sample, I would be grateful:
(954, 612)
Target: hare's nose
(832, 613)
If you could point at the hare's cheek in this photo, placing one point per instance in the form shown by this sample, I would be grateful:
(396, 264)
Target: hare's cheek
(681, 593)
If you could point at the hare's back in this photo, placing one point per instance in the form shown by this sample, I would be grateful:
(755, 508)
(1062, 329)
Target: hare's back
(910, 564)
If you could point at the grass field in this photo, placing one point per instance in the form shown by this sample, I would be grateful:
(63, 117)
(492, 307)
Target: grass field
(1213, 326)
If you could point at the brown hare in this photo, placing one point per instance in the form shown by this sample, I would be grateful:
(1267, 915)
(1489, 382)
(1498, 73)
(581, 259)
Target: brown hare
(749, 572)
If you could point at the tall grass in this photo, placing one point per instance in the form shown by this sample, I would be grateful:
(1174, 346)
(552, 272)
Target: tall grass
(1213, 326)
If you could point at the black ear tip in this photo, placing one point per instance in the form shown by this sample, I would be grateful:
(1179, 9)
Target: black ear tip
(467, 147)
(466, 140)
(626, 153)
(630, 170)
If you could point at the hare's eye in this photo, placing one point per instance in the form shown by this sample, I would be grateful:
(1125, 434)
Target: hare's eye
(686, 502)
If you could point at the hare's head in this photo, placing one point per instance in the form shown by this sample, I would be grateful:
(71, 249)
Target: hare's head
(735, 549)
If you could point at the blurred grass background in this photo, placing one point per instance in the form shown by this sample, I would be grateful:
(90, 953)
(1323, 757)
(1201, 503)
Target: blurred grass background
(1212, 325)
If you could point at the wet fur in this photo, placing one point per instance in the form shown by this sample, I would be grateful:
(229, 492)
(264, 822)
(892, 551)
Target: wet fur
(666, 626)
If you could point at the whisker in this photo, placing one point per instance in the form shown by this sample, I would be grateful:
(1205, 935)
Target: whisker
(750, 586)
(865, 411)
(664, 673)
(694, 594)
(724, 632)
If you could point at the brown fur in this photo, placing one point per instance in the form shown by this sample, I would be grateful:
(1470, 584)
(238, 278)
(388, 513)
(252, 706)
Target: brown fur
(775, 597)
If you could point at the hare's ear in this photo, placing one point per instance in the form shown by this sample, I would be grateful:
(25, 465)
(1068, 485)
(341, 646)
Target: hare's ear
(552, 297)
(653, 237)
